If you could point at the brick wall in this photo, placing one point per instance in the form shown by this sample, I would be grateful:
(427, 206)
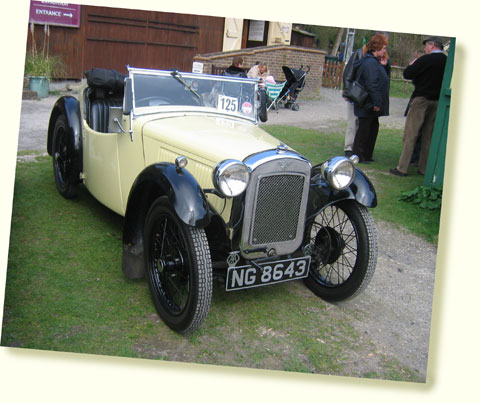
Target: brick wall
(275, 57)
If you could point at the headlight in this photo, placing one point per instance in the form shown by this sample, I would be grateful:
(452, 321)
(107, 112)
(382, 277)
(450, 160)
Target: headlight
(338, 172)
(231, 177)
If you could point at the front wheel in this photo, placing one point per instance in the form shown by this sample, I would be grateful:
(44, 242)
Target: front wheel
(342, 240)
(63, 167)
(179, 268)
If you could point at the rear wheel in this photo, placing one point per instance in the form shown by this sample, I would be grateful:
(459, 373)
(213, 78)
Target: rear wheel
(179, 268)
(343, 243)
(63, 167)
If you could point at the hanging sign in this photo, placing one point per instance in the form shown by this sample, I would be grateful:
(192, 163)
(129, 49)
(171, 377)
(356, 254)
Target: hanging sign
(53, 13)
(256, 30)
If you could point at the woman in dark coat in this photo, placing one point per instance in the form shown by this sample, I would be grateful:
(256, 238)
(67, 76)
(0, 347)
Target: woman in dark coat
(372, 75)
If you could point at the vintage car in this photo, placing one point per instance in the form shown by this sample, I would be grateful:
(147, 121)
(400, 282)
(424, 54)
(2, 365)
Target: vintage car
(205, 192)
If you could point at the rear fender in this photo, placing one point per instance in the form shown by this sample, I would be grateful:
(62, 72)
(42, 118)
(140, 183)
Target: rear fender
(185, 196)
(321, 193)
(70, 108)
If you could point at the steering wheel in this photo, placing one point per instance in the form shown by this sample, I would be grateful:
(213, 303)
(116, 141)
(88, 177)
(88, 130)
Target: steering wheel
(153, 101)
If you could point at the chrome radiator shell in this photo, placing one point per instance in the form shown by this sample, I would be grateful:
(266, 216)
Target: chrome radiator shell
(275, 204)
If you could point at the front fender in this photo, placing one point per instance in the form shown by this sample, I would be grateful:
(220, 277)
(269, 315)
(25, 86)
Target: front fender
(321, 194)
(185, 196)
(70, 108)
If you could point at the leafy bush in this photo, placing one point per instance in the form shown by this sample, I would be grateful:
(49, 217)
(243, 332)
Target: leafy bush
(426, 197)
(40, 65)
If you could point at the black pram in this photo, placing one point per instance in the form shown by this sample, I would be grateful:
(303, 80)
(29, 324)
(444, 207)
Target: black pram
(294, 85)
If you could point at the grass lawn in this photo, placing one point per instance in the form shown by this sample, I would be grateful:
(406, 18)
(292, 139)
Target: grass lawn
(317, 147)
(66, 291)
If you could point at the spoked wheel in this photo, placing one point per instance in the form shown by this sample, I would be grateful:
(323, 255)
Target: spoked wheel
(179, 268)
(342, 241)
(62, 161)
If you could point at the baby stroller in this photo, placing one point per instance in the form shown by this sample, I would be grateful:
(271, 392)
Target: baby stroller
(273, 94)
(293, 86)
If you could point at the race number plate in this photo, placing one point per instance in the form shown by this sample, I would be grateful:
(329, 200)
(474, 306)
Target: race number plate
(267, 273)
(227, 104)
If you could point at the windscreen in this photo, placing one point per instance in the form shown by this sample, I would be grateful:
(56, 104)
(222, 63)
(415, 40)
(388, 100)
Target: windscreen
(187, 91)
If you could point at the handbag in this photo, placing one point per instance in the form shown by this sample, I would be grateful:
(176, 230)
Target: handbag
(357, 94)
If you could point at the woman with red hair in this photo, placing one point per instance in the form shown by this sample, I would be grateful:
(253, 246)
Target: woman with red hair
(371, 75)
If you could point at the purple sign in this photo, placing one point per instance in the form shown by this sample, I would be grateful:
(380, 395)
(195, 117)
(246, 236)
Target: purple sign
(53, 13)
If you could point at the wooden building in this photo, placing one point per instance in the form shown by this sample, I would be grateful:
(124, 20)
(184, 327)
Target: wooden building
(113, 38)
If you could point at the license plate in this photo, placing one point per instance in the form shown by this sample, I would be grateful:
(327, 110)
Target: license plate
(267, 273)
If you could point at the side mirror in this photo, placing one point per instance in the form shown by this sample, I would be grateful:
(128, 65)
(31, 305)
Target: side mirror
(262, 113)
(127, 96)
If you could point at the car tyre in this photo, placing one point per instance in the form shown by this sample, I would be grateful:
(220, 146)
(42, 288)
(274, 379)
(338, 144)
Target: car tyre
(178, 267)
(343, 244)
(63, 168)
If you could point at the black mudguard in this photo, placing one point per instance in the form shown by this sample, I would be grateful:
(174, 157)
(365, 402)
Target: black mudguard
(70, 108)
(321, 194)
(186, 198)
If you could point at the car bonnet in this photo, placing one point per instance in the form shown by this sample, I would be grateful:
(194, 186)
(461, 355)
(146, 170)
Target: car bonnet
(208, 138)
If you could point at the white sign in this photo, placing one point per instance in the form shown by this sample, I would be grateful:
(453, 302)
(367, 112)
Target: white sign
(197, 67)
(256, 30)
(227, 104)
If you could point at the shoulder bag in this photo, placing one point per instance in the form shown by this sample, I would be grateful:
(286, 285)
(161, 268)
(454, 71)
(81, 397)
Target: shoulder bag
(356, 92)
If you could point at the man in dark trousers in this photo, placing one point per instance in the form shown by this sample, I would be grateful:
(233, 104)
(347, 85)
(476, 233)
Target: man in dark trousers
(426, 73)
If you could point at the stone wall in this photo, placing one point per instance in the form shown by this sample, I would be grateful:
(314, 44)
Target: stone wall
(275, 57)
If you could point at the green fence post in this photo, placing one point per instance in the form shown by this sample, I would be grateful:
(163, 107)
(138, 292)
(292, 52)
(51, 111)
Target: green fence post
(438, 147)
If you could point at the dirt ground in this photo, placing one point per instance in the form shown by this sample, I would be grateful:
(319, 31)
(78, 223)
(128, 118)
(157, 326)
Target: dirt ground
(396, 306)
(394, 312)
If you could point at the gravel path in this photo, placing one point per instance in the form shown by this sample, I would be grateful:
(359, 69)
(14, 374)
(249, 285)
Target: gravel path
(395, 310)
(329, 111)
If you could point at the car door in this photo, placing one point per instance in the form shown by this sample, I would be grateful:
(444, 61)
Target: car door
(100, 167)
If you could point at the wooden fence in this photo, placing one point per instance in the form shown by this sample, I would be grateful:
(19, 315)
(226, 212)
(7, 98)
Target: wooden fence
(332, 74)
(396, 73)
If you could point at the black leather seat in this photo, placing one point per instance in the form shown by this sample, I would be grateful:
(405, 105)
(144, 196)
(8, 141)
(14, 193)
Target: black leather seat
(99, 113)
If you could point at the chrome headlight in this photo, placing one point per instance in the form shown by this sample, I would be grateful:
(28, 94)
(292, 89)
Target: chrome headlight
(230, 177)
(339, 172)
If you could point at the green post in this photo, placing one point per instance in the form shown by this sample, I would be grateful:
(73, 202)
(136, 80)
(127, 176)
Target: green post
(438, 147)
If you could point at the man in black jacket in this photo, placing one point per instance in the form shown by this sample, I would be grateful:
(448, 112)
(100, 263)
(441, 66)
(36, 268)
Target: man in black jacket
(236, 70)
(426, 73)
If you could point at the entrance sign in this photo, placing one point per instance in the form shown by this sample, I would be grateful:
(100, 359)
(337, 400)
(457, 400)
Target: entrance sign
(54, 13)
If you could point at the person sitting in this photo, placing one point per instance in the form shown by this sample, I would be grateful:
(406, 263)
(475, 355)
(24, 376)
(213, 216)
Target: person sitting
(236, 70)
(259, 71)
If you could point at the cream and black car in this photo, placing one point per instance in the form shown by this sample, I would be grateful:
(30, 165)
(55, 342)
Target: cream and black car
(206, 193)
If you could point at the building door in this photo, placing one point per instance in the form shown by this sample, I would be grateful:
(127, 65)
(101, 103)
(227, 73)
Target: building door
(232, 38)
(117, 37)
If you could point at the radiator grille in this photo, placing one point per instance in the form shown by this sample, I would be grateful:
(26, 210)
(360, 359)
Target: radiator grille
(277, 211)
(275, 204)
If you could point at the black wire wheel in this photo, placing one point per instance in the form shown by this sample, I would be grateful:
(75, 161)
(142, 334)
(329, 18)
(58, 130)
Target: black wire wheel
(342, 241)
(63, 168)
(178, 267)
